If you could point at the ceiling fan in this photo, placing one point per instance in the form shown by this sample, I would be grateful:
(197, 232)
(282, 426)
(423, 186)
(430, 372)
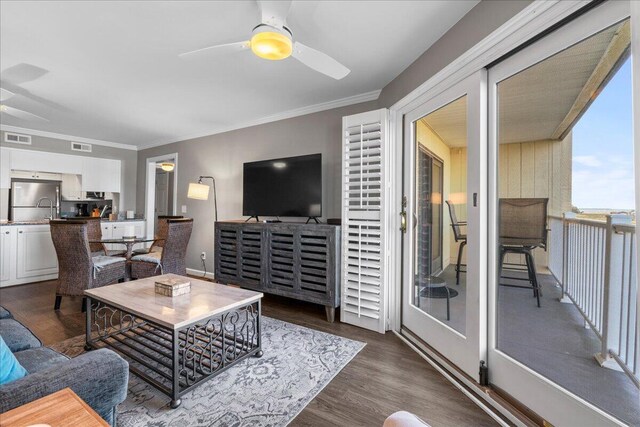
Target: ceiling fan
(15, 112)
(272, 40)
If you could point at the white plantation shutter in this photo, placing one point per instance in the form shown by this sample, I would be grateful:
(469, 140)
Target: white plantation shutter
(363, 301)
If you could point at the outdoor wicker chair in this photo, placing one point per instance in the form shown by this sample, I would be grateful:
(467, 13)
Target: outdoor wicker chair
(523, 227)
(161, 235)
(77, 269)
(459, 237)
(172, 257)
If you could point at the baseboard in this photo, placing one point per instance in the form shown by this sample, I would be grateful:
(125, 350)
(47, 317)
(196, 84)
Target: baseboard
(194, 272)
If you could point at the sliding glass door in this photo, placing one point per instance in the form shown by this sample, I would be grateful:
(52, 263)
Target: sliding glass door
(443, 266)
(563, 320)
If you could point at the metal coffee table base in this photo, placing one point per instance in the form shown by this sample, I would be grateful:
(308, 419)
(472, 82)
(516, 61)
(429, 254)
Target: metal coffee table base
(176, 361)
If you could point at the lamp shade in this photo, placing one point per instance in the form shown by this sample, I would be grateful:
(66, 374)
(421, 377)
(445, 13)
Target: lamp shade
(198, 191)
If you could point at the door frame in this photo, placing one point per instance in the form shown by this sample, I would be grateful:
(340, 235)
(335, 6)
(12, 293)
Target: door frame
(150, 189)
(435, 159)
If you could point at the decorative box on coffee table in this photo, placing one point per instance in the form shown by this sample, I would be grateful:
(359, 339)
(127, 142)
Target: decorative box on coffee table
(175, 343)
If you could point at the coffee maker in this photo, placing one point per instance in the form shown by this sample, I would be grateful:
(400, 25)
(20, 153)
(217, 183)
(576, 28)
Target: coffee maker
(82, 209)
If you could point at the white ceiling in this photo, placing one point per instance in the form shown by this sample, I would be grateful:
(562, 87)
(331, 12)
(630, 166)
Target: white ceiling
(110, 70)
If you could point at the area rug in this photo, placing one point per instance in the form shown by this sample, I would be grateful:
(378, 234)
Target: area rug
(298, 363)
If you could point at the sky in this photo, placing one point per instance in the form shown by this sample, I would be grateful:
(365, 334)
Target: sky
(603, 148)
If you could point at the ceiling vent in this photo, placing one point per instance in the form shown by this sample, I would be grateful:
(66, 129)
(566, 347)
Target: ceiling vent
(78, 146)
(17, 138)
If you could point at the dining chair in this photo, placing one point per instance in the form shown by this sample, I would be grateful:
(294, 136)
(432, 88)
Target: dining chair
(522, 228)
(160, 236)
(78, 270)
(94, 233)
(172, 257)
(459, 237)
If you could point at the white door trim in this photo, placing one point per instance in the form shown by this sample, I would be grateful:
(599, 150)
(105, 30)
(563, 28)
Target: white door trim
(150, 189)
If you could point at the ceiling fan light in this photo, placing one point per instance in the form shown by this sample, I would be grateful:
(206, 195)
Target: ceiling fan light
(271, 45)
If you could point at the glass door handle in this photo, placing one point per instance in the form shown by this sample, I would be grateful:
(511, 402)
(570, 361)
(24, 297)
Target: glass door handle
(403, 215)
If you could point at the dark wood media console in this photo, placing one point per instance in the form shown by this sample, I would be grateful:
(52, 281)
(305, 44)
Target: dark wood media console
(300, 261)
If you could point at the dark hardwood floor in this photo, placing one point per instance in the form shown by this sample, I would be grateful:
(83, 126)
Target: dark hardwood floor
(386, 376)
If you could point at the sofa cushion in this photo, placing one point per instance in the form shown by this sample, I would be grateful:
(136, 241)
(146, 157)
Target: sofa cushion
(16, 336)
(4, 313)
(10, 368)
(38, 359)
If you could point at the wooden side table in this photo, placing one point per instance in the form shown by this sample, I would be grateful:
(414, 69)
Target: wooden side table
(62, 408)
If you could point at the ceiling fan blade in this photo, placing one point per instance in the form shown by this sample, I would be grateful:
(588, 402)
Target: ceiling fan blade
(319, 61)
(20, 114)
(5, 94)
(220, 49)
(274, 13)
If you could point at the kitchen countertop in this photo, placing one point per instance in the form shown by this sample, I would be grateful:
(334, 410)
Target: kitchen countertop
(46, 221)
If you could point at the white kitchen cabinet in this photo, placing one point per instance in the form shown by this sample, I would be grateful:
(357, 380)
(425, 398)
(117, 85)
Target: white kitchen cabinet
(71, 188)
(36, 256)
(30, 160)
(48, 176)
(117, 230)
(101, 175)
(5, 168)
(7, 254)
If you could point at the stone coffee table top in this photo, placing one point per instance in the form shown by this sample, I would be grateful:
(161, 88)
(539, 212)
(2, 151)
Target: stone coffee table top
(206, 299)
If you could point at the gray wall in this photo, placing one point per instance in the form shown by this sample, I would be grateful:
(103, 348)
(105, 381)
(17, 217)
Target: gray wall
(222, 155)
(482, 20)
(52, 145)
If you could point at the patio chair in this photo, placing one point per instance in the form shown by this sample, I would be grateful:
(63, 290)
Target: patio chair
(77, 268)
(161, 235)
(172, 257)
(523, 227)
(459, 237)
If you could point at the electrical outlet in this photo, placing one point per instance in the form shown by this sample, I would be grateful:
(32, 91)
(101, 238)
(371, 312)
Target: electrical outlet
(203, 255)
(184, 208)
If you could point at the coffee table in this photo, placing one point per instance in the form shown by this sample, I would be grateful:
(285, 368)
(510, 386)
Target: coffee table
(175, 343)
(62, 408)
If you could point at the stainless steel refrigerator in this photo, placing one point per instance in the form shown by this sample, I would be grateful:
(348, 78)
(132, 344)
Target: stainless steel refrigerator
(34, 200)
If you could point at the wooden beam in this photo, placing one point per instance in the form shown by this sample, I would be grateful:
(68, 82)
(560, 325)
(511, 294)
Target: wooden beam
(618, 48)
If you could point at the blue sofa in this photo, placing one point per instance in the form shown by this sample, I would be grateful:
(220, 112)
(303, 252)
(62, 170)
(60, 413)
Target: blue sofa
(99, 377)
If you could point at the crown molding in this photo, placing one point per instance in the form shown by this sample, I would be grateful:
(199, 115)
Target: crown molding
(342, 102)
(53, 135)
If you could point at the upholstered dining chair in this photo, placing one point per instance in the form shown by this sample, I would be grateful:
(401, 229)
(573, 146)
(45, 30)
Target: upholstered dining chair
(172, 257)
(160, 236)
(459, 237)
(77, 268)
(94, 233)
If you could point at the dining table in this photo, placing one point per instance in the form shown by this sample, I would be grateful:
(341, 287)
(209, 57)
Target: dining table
(128, 242)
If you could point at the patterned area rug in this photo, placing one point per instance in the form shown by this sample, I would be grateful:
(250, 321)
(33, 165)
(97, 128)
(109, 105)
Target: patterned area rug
(270, 391)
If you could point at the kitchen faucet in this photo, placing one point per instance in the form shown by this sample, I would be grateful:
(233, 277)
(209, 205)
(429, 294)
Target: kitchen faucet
(50, 206)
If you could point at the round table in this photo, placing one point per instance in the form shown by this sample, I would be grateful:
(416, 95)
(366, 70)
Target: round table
(434, 287)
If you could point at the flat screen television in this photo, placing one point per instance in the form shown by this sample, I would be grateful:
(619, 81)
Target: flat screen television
(283, 187)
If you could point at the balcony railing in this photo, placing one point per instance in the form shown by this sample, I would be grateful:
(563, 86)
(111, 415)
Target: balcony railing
(595, 262)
